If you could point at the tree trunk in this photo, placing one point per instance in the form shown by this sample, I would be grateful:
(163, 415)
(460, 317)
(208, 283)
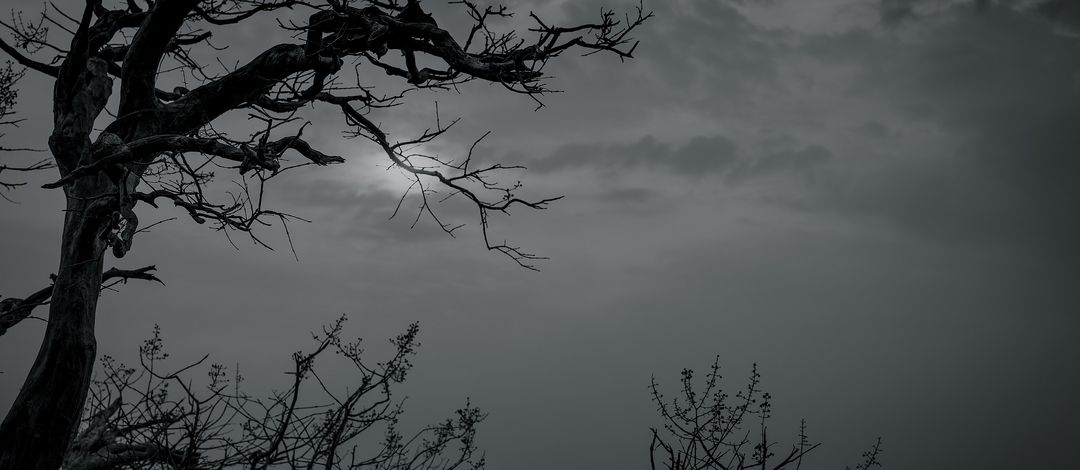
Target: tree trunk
(45, 416)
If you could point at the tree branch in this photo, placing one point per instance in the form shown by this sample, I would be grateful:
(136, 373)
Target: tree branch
(166, 420)
(50, 70)
(13, 310)
(150, 43)
(248, 157)
(36, 166)
(246, 84)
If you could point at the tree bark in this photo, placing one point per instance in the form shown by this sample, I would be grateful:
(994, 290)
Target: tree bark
(44, 418)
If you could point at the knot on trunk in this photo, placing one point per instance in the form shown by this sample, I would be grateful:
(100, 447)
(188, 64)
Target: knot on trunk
(126, 223)
(106, 144)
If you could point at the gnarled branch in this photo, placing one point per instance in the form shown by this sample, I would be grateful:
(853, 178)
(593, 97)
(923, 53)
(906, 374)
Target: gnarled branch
(266, 157)
(15, 310)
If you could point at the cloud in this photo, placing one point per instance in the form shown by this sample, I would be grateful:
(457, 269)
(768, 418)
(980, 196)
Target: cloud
(352, 211)
(895, 11)
(1065, 12)
(699, 156)
(802, 161)
(980, 113)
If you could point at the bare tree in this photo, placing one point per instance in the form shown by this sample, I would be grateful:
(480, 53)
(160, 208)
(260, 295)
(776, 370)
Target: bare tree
(707, 429)
(160, 144)
(148, 417)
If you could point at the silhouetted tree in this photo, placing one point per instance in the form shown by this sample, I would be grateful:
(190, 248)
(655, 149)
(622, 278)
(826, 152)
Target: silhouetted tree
(147, 417)
(707, 429)
(159, 143)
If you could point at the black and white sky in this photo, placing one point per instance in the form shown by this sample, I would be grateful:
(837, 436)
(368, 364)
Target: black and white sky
(874, 200)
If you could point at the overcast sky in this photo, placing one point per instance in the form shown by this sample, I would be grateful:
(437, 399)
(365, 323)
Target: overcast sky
(873, 200)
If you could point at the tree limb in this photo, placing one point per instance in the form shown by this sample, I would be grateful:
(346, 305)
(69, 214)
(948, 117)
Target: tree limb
(13, 310)
(243, 85)
(150, 43)
(50, 70)
(248, 157)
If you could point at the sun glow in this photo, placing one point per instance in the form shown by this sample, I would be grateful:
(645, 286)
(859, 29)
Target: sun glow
(371, 169)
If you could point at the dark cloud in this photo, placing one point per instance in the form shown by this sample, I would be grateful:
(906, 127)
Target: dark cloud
(628, 196)
(703, 155)
(638, 201)
(699, 156)
(803, 162)
(895, 11)
(1065, 11)
(703, 54)
(1001, 85)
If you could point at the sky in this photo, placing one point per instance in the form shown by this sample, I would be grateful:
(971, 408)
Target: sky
(868, 199)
